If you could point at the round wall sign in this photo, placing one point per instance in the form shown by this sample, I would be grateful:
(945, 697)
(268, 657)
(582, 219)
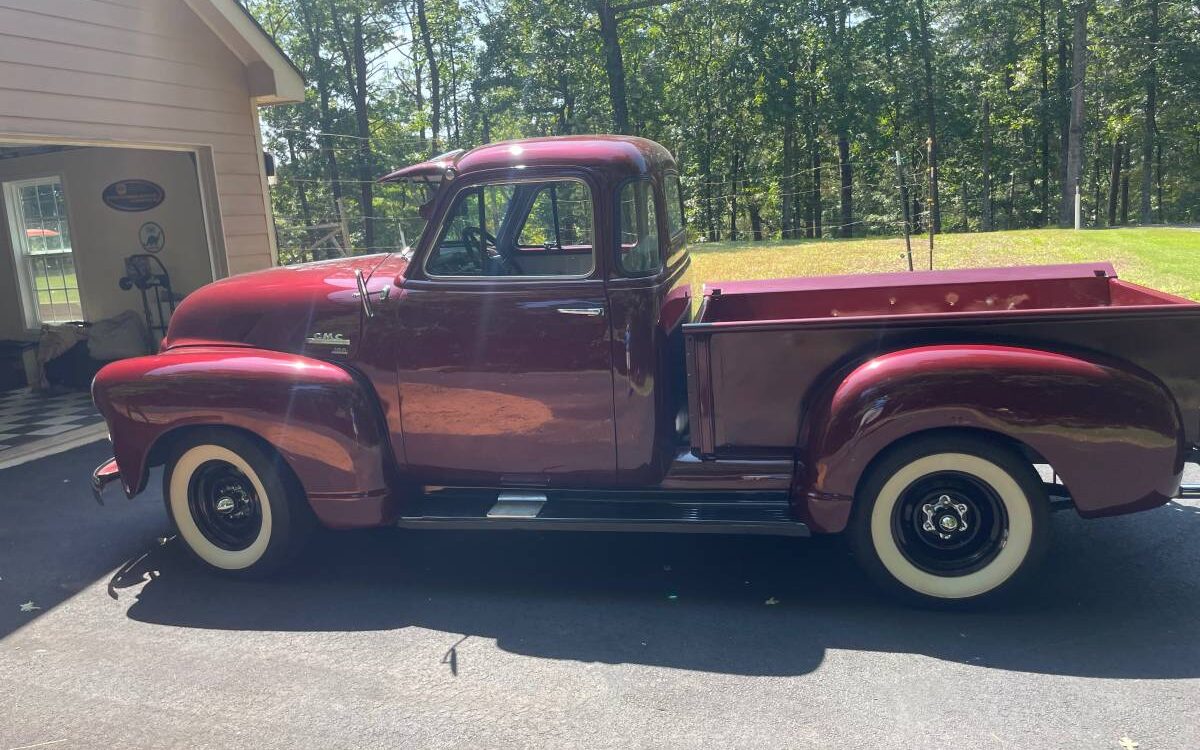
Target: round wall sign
(151, 237)
(133, 195)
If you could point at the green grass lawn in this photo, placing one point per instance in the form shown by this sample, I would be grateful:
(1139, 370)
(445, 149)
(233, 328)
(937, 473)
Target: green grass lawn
(1166, 259)
(68, 280)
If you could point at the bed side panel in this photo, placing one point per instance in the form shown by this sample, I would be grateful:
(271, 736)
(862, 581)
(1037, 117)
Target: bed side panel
(762, 374)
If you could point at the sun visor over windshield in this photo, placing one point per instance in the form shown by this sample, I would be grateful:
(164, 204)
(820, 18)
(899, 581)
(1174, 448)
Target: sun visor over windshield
(433, 171)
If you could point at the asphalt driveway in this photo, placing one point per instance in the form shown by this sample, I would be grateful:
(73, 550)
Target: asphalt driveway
(438, 639)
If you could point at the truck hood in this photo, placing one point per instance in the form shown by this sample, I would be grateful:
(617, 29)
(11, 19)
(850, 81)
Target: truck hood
(310, 307)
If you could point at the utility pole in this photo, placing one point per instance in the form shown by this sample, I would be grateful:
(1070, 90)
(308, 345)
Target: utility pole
(904, 205)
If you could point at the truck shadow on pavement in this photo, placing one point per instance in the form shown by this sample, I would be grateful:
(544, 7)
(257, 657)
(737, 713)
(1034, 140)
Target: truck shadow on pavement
(1118, 598)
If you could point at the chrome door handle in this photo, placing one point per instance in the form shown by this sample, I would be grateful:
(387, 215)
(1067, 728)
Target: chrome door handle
(589, 311)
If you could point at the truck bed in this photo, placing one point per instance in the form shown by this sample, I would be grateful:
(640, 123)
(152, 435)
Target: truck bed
(756, 348)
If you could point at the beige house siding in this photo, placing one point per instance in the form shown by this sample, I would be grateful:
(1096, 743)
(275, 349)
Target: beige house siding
(145, 73)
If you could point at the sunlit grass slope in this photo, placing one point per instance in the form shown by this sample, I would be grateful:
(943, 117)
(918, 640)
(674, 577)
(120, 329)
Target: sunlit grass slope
(1163, 258)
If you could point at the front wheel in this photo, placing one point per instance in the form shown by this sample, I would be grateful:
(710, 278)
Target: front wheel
(950, 520)
(237, 506)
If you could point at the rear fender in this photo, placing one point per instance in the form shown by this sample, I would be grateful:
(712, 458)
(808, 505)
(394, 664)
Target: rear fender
(1114, 434)
(320, 419)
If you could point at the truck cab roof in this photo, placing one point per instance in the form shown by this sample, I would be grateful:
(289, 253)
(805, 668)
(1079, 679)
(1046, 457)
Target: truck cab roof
(618, 157)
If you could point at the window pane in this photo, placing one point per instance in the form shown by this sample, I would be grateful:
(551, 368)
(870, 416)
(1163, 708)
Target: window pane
(561, 217)
(639, 251)
(517, 229)
(674, 200)
(43, 242)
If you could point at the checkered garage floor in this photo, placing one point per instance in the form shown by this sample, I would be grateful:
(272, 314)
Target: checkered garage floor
(27, 417)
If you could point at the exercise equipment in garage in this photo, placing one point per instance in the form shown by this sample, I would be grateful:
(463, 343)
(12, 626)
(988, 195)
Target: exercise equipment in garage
(147, 273)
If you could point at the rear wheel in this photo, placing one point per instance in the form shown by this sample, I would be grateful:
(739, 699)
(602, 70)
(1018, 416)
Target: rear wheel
(950, 519)
(237, 506)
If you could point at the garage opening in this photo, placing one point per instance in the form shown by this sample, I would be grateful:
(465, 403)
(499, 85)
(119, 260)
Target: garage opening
(97, 246)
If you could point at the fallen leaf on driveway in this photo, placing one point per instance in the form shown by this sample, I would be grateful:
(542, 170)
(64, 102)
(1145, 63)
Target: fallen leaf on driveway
(771, 602)
(1127, 743)
(29, 607)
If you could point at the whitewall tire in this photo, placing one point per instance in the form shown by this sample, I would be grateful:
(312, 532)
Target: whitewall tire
(950, 520)
(236, 505)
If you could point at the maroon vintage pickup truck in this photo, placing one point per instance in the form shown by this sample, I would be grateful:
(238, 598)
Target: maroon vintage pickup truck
(537, 362)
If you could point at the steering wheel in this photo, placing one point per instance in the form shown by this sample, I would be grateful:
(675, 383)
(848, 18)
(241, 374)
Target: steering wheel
(471, 237)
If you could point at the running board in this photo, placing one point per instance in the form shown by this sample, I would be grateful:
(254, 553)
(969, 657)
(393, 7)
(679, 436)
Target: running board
(535, 511)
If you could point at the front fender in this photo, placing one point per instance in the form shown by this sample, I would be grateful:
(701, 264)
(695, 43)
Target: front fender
(320, 419)
(1113, 434)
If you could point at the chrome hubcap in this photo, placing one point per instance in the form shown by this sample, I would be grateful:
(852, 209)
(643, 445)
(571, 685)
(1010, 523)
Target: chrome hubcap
(945, 517)
(949, 523)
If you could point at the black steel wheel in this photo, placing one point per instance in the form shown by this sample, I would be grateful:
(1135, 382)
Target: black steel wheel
(950, 518)
(236, 503)
(224, 505)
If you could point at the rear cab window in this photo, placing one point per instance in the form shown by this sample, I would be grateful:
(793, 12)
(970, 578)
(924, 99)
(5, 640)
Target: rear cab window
(676, 228)
(639, 252)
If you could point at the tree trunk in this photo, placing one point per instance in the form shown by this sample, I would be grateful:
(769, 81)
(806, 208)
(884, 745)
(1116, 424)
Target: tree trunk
(1066, 214)
(435, 82)
(1114, 180)
(847, 184)
(1158, 178)
(1044, 116)
(1125, 187)
(1150, 131)
(733, 196)
(418, 84)
(786, 220)
(1096, 167)
(324, 115)
(813, 228)
(756, 227)
(1010, 214)
(964, 198)
(453, 123)
(1064, 94)
(301, 194)
(915, 211)
(614, 65)
(706, 171)
(935, 206)
(985, 216)
(356, 70)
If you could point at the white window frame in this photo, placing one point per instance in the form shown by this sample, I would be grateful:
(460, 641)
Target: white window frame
(16, 225)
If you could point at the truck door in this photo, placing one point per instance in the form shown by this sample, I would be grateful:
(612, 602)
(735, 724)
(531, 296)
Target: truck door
(503, 345)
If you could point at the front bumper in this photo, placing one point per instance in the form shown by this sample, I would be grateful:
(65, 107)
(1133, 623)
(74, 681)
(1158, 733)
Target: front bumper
(104, 475)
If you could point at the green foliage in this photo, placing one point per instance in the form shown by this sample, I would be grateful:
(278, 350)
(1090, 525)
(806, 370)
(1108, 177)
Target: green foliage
(753, 97)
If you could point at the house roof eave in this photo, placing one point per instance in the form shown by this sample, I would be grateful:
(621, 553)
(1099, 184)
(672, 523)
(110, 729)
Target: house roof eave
(273, 77)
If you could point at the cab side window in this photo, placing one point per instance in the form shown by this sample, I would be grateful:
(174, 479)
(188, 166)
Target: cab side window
(522, 229)
(638, 253)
